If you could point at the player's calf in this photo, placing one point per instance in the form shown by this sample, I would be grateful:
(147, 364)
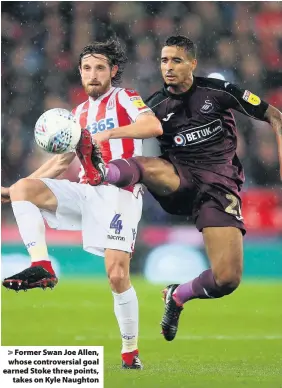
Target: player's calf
(157, 174)
(124, 172)
(205, 286)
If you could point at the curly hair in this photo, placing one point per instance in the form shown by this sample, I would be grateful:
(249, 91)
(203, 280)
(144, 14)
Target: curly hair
(182, 41)
(113, 51)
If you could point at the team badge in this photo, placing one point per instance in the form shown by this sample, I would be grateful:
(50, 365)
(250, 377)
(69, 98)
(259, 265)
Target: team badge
(207, 107)
(111, 104)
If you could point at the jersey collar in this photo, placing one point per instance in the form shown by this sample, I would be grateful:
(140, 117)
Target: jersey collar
(99, 99)
(183, 95)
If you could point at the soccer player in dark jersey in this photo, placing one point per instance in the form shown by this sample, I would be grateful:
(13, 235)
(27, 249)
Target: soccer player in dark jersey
(199, 173)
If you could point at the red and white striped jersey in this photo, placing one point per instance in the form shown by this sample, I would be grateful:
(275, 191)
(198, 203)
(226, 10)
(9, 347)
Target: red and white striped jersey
(116, 108)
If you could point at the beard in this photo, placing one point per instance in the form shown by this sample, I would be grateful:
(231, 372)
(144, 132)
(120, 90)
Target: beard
(96, 91)
(171, 83)
(174, 82)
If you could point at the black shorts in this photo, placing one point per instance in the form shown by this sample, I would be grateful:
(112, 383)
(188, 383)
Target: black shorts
(208, 197)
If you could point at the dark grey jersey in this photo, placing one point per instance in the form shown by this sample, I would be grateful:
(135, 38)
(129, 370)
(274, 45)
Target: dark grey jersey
(198, 125)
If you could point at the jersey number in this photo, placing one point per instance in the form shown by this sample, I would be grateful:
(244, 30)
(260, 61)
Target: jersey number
(116, 224)
(234, 208)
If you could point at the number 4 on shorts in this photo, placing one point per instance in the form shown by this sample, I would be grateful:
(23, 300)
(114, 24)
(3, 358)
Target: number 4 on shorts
(116, 224)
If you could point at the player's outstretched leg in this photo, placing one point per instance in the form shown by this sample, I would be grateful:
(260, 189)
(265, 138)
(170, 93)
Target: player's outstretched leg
(224, 248)
(27, 195)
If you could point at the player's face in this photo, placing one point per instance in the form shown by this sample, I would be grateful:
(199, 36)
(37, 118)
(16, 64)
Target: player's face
(96, 74)
(177, 66)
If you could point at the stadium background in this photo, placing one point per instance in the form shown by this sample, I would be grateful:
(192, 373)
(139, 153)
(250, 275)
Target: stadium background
(240, 41)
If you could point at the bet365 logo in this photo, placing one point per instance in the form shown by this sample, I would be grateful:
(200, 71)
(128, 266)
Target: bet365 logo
(101, 125)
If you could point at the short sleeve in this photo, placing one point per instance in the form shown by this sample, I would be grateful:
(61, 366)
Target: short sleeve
(132, 102)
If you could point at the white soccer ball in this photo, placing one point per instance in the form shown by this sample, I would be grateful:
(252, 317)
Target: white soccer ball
(57, 131)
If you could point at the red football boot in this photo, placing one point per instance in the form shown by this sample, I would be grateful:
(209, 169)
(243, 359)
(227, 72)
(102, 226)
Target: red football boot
(91, 159)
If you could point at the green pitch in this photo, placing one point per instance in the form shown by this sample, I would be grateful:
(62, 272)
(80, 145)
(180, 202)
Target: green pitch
(231, 342)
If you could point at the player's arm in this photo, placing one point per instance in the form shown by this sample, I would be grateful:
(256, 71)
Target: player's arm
(145, 126)
(50, 169)
(251, 105)
(54, 166)
(274, 117)
(144, 123)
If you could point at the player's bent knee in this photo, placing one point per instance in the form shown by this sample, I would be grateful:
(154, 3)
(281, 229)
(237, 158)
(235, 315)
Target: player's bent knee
(227, 282)
(117, 267)
(150, 167)
(22, 190)
(118, 281)
(116, 273)
(151, 173)
(118, 278)
(34, 191)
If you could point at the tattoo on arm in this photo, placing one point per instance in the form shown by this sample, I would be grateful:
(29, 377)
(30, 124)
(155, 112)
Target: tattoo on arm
(147, 113)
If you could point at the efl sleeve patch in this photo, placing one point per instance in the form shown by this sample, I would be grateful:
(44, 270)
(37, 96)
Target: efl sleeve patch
(244, 101)
(132, 103)
(251, 98)
(138, 102)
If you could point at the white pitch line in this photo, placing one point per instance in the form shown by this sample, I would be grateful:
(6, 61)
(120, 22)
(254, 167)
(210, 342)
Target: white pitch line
(189, 337)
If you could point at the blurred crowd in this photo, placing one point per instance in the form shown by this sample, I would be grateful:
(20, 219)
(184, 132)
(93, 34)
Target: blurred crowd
(41, 43)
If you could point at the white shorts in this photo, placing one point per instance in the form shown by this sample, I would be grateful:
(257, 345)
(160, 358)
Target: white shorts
(107, 216)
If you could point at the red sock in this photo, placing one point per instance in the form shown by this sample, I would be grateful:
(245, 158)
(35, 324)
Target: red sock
(128, 357)
(46, 264)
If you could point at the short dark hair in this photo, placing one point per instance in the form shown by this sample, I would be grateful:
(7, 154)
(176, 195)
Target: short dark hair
(182, 41)
(113, 51)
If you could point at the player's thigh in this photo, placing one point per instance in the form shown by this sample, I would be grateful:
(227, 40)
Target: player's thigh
(70, 197)
(224, 247)
(158, 175)
(34, 191)
(110, 219)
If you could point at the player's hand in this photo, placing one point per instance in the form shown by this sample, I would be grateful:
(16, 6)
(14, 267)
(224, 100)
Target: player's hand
(100, 137)
(5, 195)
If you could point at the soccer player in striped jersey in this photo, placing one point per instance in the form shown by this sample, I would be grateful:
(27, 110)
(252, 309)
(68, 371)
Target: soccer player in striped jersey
(107, 216)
